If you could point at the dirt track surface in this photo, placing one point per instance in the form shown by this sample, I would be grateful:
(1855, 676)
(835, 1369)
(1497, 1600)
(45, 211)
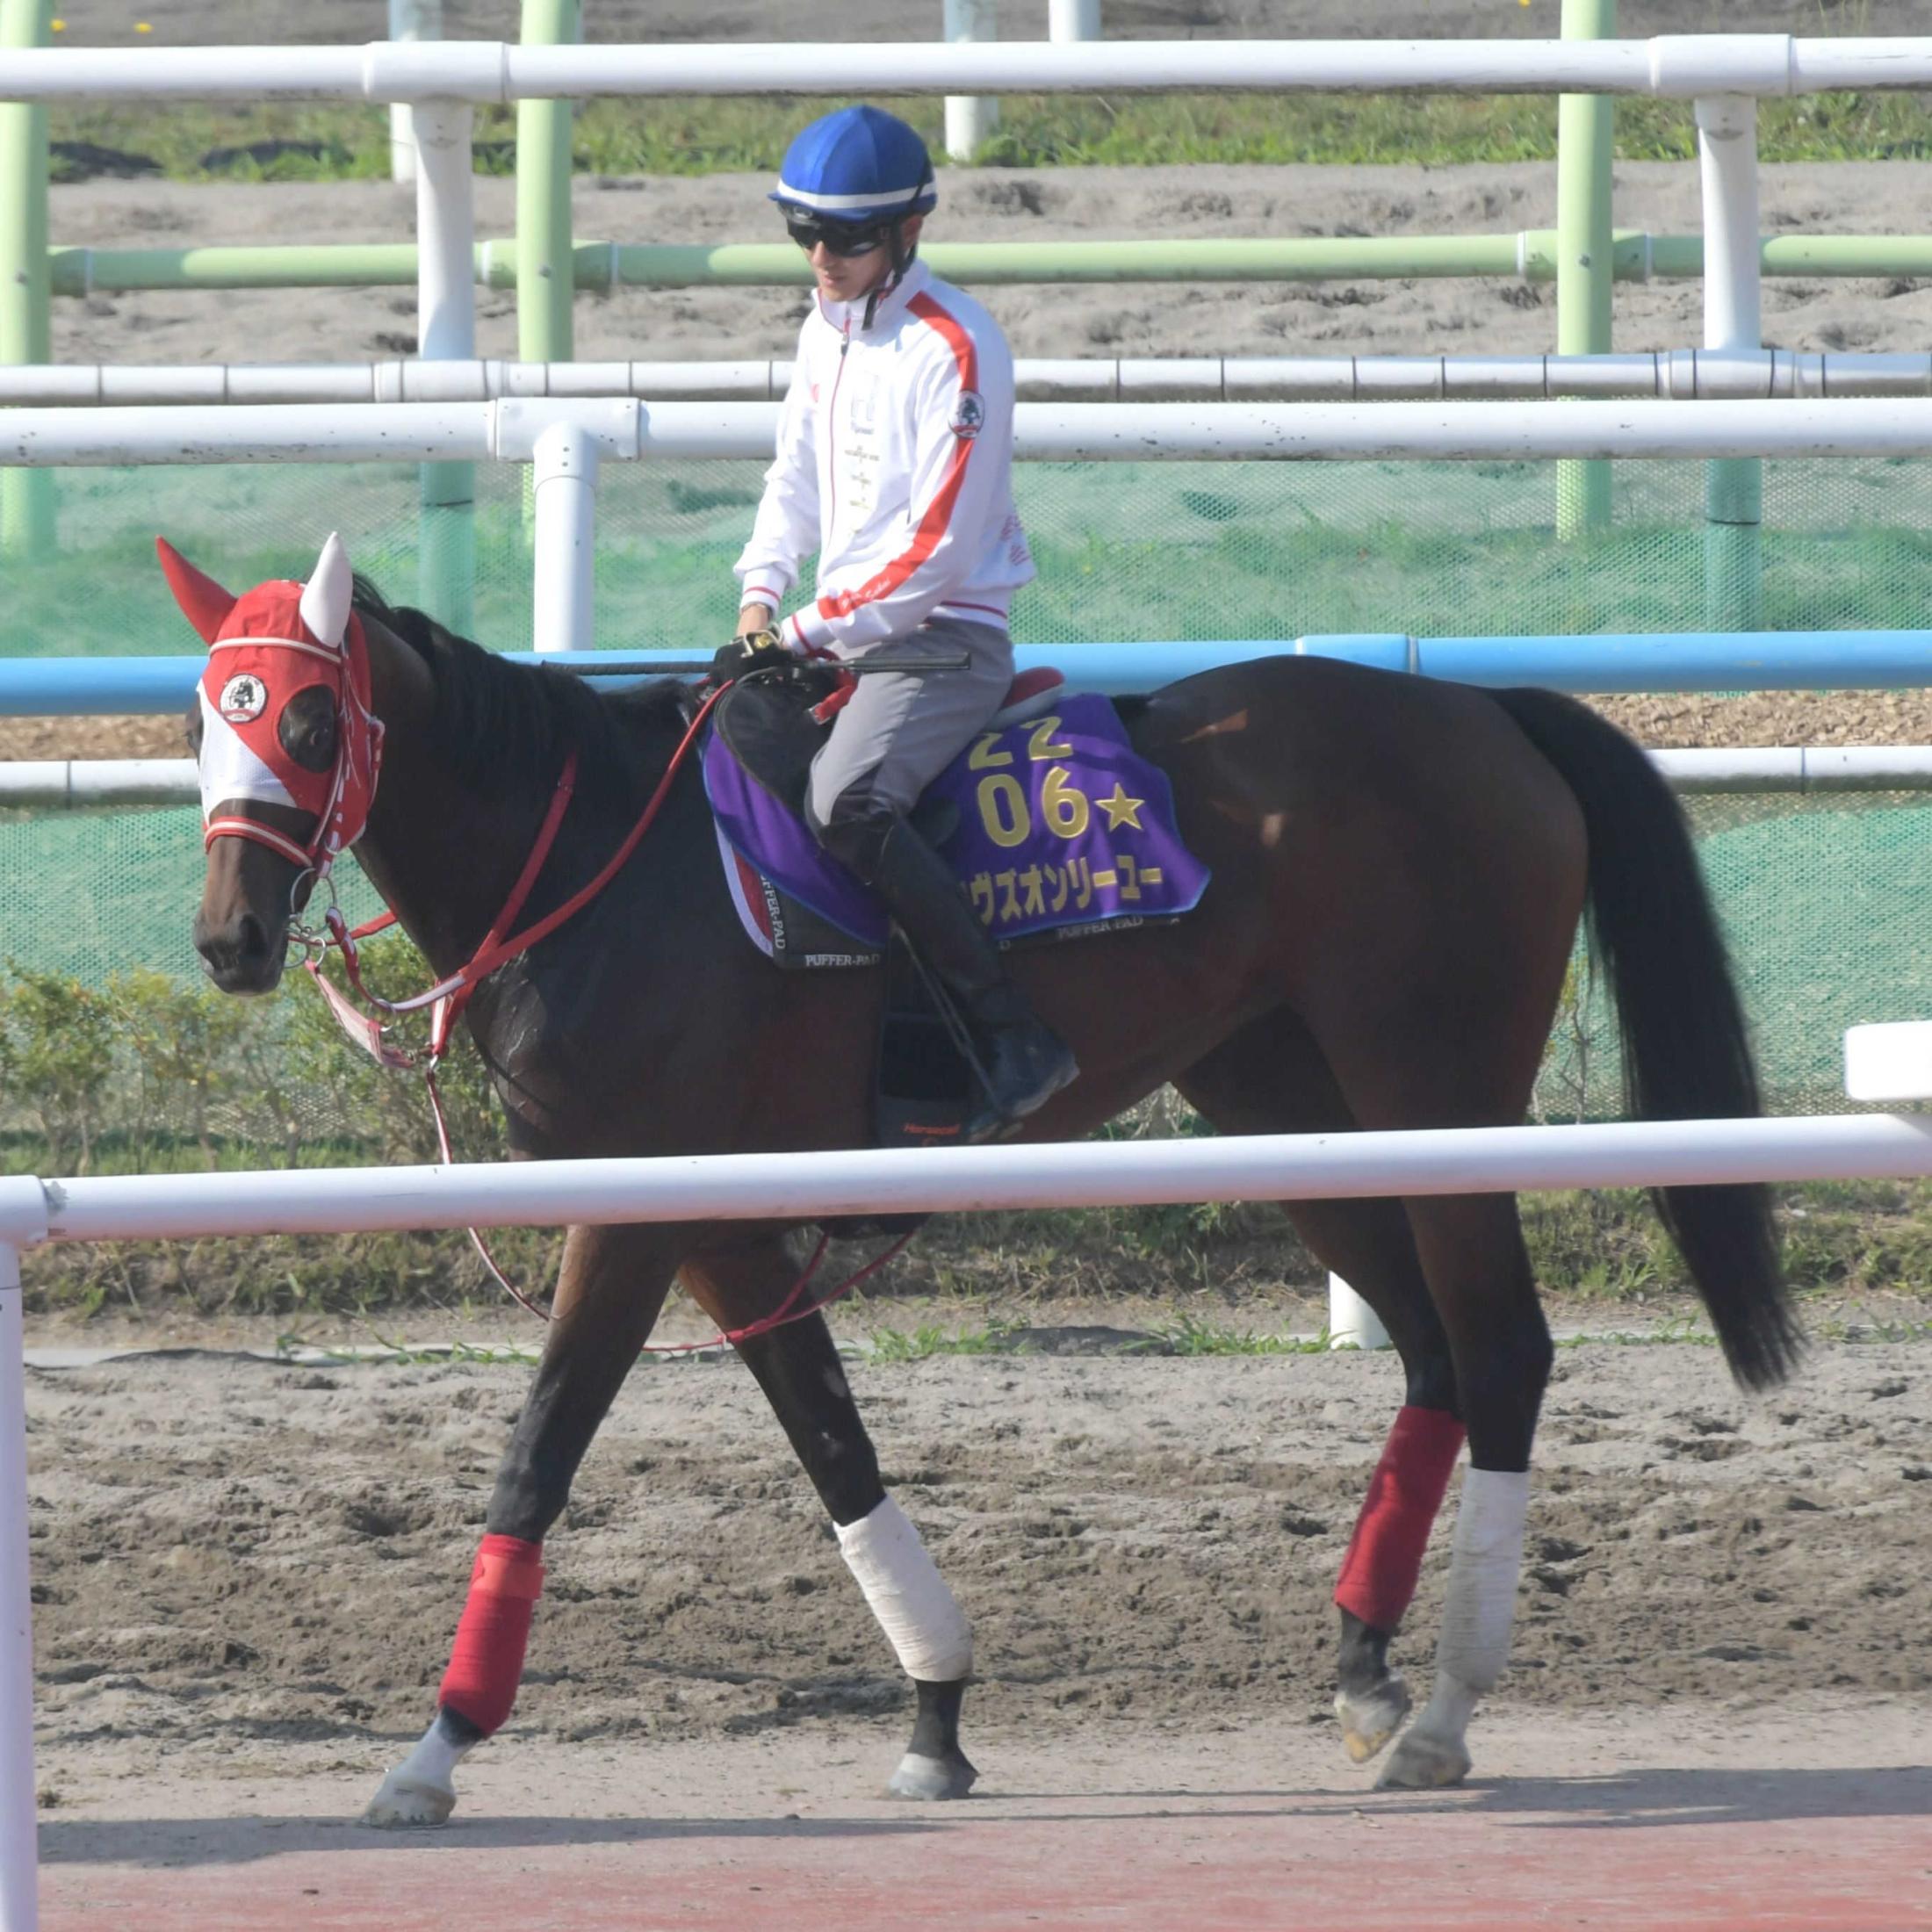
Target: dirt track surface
(229, 1554)
(1586, 1820)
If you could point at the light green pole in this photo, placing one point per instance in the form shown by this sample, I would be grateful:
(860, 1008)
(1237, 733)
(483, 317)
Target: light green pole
(545, 268)
(1585, 129)
(1635, 257)
(26, 330)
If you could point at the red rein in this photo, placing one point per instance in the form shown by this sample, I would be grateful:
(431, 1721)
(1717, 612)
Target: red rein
(449, 997)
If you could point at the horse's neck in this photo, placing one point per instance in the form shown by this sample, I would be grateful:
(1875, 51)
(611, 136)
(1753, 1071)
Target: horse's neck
(442, 858)
(445, 854)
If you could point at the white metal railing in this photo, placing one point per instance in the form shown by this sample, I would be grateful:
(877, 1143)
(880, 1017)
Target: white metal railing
(1672, 375)
(1680, 67)
(512, 430)
(805, 1186)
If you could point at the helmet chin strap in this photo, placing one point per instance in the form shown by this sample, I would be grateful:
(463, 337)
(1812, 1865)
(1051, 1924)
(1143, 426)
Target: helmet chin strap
(901, 258)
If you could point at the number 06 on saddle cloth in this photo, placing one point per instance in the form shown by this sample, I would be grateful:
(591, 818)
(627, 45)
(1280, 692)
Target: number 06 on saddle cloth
(1056, 826)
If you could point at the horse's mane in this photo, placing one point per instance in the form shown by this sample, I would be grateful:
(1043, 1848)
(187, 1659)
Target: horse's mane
(500, 727)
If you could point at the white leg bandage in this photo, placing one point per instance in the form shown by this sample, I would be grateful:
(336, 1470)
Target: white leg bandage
(926, 1629)
(1484, 1562)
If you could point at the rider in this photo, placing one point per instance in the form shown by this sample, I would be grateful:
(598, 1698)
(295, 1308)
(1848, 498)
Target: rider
(895, 453)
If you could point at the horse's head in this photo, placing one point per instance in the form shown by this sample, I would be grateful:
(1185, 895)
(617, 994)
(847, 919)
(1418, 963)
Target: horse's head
(287, 749)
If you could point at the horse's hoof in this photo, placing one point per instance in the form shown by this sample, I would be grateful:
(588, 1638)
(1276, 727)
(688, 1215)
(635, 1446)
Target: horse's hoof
(1424, 1763)
(926, 1778)
(1369, 1720)
(409, 1804)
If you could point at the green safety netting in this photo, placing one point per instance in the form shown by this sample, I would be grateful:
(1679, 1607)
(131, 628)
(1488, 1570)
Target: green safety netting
(1828, 902)
(1125, 550)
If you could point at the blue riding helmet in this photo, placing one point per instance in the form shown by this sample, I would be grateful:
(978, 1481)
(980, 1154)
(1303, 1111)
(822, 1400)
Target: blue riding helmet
(858, 165)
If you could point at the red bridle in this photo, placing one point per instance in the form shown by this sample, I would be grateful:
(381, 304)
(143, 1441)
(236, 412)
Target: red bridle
(338, 799)
(265, 648)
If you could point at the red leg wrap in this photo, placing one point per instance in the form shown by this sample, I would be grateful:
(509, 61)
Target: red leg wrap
(486, 1660)
(1385, 1556)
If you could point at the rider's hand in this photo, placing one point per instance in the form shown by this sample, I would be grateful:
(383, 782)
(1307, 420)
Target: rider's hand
(751, 649)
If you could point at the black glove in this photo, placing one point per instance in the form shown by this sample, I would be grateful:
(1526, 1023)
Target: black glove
(751, 651)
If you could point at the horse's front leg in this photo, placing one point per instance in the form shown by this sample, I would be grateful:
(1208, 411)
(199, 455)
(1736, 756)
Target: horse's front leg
(800, 1372)
(1369, 1244)
(608, 1294)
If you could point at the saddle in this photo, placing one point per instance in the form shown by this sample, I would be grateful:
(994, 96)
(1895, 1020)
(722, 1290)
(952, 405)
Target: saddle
(1056, 826)
(772, 723)
(1053, 823)
(773, 720)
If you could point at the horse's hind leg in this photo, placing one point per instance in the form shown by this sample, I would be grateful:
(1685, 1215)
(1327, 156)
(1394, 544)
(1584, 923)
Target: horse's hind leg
(798, 1368)
(1483, 1017)
(1472, 1250)
(612, 1286)
(1270, 1078)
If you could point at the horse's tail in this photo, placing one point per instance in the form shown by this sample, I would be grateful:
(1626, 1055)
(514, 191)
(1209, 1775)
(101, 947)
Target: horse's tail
(1685, 1052)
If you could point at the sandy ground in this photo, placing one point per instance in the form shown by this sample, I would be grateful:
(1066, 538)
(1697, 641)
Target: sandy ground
(1464, 317)
(232, 1556)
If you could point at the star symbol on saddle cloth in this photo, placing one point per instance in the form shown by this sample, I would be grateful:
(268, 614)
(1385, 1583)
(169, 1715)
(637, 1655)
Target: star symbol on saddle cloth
(1121, 810)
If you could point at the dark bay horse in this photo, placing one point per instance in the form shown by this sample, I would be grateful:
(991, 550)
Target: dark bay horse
(1399, 870)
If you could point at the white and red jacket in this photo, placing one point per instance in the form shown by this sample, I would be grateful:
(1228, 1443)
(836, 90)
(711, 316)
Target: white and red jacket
(895, 464)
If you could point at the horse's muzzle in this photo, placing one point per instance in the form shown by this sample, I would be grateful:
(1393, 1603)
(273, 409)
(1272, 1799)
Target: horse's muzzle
(239, 955)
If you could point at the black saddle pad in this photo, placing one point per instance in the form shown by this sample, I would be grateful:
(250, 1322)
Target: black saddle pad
(766, 720)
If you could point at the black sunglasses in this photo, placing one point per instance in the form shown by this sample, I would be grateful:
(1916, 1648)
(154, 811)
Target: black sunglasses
(844, 238)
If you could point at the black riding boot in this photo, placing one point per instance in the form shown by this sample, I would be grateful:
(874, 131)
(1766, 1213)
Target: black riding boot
(1025, 1061)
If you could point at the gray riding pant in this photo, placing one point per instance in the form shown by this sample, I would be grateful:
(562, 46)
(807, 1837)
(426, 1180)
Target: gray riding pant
(900, 732)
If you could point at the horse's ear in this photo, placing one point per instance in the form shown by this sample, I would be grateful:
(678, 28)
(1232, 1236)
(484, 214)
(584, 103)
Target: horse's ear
(325, 599)
(204, 602)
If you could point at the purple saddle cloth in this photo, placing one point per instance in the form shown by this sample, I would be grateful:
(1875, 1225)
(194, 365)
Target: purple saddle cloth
(1059, 826)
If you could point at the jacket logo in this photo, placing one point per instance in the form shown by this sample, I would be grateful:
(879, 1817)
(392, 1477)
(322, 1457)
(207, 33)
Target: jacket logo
(969, 414)
(242, 699)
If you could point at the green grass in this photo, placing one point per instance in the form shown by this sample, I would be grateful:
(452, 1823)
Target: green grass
(929, 1338)
(400, 1354)
(292, 141)
(1190, 1335)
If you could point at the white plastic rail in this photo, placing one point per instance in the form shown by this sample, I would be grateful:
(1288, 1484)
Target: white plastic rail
(625, 428)
(1673, 375)
(1674, 66)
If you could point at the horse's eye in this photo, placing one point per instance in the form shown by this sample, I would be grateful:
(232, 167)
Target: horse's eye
(306, 728)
